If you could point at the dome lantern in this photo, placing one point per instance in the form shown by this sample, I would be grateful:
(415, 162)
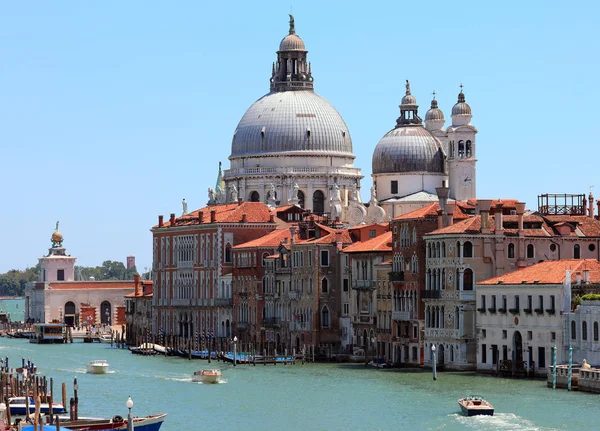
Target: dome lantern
(291, 71)
(461, 111)
(434, 118)
(408, 109)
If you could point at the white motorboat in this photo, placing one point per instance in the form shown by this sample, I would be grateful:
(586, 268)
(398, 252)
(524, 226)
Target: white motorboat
(105, 338)
(206, 376)
(99, 366)
(18, 406)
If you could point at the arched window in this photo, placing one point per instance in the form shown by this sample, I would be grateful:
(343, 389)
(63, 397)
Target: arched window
(468, 279)
(595, 331)
(324, 285)
(461, 149)
(469, 149)
(414, 235)
(415, 264)
(301, 198)
(511, 251)
(228, 253)
(468, 249)
(443, 249)
(325, 317)
(584, 330)
(530, 251)
(573, 330)
(318, 202)
(576, 252)
(254, 197)
(457, 249)
(310, 285)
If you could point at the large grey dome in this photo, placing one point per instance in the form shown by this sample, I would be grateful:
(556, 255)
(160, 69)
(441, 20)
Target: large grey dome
(291, 121)
(408, 149)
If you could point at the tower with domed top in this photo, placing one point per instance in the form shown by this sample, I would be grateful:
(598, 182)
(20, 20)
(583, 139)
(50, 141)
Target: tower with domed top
(57, 265)
(461, 151)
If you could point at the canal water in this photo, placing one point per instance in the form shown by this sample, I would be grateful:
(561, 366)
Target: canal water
(300, 397)
(15, 307)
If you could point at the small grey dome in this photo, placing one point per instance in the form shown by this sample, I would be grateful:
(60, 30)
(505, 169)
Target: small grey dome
(291, 121)
(408, 149)
(409, 99)
(461, 107)
(292, 42)
(435, 113)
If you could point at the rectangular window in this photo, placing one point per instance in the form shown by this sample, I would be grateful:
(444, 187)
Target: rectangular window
(504, 353)
(552, 303)
(541, 357)
(414, 354)
(60, 275)
(415, 331)
(529, 302)
(345, 285)
(483, 301)
(494, 302)
(484, 353)
(301, 259)
(504, 334)
(504, 302)
(529, 335)
(541, 302)
(517, 303)
(372, 233)
(309, 258)
(553, 336)
(346, 308)
(394, 187)
(494, 354)
(324, 257)
(483, 333)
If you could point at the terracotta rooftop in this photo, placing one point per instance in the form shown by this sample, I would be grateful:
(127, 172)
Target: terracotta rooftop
(549, 272)
(328, 236)
(382, 243)
(256, 212)
(430, 211)
(272, 239)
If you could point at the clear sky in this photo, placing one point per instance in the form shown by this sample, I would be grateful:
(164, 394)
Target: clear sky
(113, 111)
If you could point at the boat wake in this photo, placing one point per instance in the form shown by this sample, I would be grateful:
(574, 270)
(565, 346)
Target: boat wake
(500, 421)
(220, 382)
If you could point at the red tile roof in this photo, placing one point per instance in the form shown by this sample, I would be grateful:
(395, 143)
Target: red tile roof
(328, 236)
(381, 243)
(272, 239)
(549, 272)
(430, 211)
(256, 212)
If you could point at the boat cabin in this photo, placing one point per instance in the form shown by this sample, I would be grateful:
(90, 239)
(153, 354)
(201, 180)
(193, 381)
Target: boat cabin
(49, 333)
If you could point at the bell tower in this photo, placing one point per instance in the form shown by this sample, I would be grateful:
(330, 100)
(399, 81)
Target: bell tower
(461, 151)
(57, 265)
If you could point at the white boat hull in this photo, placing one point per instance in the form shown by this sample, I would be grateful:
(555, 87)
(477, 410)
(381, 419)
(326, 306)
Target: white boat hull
(97, 367)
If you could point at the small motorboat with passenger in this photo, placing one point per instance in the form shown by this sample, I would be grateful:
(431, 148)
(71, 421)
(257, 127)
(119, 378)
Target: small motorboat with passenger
(98, 366)
(206, 376)
(475, 405)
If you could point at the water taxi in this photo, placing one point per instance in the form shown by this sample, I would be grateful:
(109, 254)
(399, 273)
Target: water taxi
(206, 376)
(475, 405)
(98, 366)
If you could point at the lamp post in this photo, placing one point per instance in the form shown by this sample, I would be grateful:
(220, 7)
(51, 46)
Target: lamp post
(433, 361)
(234, 350)
(129, 405)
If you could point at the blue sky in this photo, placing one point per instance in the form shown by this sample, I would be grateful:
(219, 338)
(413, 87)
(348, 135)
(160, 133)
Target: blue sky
(112, 111)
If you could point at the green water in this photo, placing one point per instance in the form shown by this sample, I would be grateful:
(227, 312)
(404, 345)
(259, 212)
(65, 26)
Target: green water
(15, 307)
(300, 397)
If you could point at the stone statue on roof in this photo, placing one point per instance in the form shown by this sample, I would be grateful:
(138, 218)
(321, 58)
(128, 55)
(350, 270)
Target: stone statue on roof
(294, 200)
(272, 196)
(212, 196)
(233, 193)
(292, 25)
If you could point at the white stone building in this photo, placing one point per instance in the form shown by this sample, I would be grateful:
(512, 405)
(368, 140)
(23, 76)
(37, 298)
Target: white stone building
(520, 317)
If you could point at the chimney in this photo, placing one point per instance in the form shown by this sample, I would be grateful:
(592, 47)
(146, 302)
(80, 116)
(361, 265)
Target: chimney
(136, 283)
(172, 219)
(271, 218)
(293, 234)
(440, 219)
(243, 217)
(591, 206)
(483, 208)
(578, 277)
(442, 193)
(160, 220)
(201, 216)
(337, 220)
(213, 215)
(498, 217)
(586, 276)
(450, 208)
(239, 201)
(338, 239)
(520, 211)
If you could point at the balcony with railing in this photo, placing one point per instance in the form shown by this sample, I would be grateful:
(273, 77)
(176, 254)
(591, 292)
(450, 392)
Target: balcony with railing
(432, 294)
(402, 315)
(292, 294)
(466, 295)
(272, 321)
(242, 326)
(396, 276)
(364, 284)
(224, 302)
(364, 319)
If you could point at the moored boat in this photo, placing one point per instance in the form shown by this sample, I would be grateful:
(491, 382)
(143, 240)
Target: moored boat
(206, 376)
(147, 423)
(98, 366)
(475, 405)
(18, 407)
